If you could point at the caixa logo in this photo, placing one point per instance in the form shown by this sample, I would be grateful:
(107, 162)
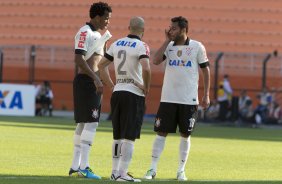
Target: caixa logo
(177, 62)
(10, 103)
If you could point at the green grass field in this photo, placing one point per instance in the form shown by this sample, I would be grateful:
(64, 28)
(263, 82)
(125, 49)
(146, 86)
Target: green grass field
(39, 150)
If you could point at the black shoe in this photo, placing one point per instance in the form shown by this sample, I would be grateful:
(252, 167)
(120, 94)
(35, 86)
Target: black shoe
(73, 172)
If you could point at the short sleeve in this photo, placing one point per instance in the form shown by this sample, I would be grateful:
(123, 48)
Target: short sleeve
(202, 57)
(144, 51)
(110, 53)
(81, 44)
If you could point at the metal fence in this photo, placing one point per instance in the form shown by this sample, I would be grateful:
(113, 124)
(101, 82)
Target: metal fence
(61, 56)
(31, 58)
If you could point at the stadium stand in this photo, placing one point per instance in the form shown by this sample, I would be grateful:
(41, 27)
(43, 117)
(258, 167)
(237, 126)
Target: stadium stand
(243, 30)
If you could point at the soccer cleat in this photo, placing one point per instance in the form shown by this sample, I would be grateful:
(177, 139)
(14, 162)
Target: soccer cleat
(114, 177)
(181, 176)
(73, 173)
(88, 173)
(127, 178)
(150, 174)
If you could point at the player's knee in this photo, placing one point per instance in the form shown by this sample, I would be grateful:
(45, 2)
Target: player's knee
(160, 138)
(79, 128)
(76, 140)
(185, 135)
(88, 133)
(91, 126)
(129, 141)
(87, 137)
(163, 134)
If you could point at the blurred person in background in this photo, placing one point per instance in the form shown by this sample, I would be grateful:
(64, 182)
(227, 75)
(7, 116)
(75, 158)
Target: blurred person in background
(224, 97)
(44, 97)
(262, 110)
(212, 112)
(274, 115)
(246, 111)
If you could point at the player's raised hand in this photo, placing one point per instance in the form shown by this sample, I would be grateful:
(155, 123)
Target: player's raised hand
(205, 102)
(167, 35)
(99, 86)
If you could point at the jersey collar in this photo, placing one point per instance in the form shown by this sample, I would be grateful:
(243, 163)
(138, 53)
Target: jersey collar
(133, 36)
(187, 41)
(91, 26)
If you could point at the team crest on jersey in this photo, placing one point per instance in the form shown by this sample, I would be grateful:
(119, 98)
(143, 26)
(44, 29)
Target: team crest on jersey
(95, 113)
(188, 51)
(158, 122)
(191, 124)
(179, 53)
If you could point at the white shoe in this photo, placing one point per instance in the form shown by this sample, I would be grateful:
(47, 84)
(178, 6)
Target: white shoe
(127, 178)
(181, 176)
(150, 174)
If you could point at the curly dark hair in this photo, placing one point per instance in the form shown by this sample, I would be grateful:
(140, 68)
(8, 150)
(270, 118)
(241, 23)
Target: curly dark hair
(182, 22)
(99, 9)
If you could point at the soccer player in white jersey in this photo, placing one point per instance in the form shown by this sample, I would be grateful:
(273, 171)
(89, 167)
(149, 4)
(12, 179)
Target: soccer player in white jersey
(87, 87)
(132, 70)
(179, 99)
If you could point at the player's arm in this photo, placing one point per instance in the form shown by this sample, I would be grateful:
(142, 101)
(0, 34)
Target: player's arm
(206, 78)
(146, 74)
(159, 55)
(104, 72)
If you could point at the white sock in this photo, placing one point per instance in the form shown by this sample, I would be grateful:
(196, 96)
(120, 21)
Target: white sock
(76, 153)
(116, 156)
(125, 156)
(157, 150)
(184, 148)
(85, 150)
(86, 141)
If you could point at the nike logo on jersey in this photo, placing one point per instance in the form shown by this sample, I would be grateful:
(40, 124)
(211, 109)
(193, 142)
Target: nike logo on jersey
(177, 62)
(126, 43)
(170, 50)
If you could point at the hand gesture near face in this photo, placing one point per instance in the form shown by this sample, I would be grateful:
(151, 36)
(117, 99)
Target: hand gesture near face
(167, 34)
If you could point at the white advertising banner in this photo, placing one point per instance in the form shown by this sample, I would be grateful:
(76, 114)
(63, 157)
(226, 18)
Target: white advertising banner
(17, 100)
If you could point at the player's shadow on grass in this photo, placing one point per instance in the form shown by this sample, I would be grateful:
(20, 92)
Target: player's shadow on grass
(201, 130)
(14, 179)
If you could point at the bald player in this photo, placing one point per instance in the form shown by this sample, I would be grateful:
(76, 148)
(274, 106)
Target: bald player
(133, 75)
